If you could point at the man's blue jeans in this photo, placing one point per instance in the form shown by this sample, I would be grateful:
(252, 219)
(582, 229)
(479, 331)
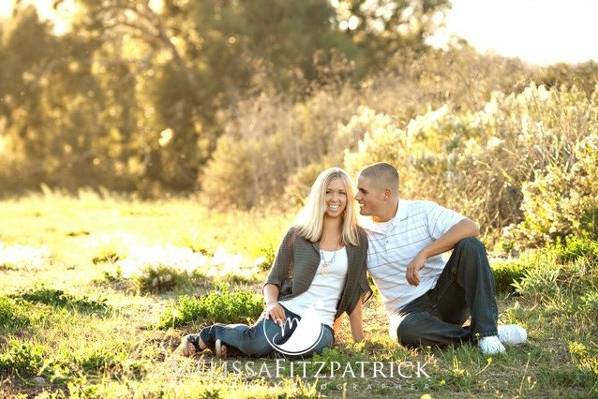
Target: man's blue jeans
(251, 340)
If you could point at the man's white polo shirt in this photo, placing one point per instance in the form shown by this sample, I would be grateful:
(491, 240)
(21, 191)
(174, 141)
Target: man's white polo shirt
(393, 244)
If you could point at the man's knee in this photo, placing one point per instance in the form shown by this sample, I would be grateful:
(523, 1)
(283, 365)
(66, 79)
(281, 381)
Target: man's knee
(409, 330)
(470, 244)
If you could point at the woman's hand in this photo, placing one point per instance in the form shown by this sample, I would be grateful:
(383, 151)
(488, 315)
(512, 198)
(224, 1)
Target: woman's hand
(274, 312)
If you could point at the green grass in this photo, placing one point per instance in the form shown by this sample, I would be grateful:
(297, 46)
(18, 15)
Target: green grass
(220, 306)
(68, 330)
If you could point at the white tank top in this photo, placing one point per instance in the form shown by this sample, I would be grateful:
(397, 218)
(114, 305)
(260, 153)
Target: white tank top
(325, 289)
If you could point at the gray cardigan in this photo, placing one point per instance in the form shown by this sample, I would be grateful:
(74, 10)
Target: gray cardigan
(296, 263)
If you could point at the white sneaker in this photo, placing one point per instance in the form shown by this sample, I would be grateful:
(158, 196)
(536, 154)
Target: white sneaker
(512, 334)
(491, 345)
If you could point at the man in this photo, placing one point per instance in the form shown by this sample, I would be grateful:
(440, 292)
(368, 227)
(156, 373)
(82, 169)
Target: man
(426, 298)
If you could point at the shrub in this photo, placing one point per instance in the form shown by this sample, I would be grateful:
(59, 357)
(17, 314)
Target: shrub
(159, 278)
(98, 360)
(568, 269)
(506, 273)
(575, 247)
(589, 304)
(586, 358)
(269, 140)
(12, 315)
(60, 299)
(540, 282)
(562, 201)
(221, 306)
(478, 163)
(266, 260)
(24, 359)
(110, 248)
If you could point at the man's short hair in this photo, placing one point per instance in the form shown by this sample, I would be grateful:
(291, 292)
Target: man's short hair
(384, 175)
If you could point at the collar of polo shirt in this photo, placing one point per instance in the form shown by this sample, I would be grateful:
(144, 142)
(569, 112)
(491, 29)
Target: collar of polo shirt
(386, 227)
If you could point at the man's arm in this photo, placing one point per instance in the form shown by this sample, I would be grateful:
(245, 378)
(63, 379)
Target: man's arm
(465, 228)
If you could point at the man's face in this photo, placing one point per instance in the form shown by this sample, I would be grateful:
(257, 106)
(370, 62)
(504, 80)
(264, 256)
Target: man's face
(370, 197)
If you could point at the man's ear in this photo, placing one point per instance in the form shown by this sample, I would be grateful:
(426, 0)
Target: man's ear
(387, 194)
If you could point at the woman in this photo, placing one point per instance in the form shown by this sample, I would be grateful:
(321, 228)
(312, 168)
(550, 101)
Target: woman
(320, 270)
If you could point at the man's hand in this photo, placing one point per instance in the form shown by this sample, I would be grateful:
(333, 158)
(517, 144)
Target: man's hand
(275, 312)
(414, 267)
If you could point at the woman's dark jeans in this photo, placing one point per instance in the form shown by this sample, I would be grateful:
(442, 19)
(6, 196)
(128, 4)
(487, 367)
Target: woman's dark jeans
(251, 340)
(465, 287)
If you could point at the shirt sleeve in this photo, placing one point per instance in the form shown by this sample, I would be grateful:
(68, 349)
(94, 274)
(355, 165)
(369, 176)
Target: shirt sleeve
(282, 262)
(440, 219)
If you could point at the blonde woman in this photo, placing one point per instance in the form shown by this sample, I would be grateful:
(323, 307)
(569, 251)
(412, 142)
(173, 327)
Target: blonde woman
(320, 270)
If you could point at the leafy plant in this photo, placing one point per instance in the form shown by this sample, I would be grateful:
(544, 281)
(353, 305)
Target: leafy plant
(506, 273)
(267, 259)
(12, 316)
(221, 306)
(575, 247)
(60, 299)
(159, 278)
(22, 358)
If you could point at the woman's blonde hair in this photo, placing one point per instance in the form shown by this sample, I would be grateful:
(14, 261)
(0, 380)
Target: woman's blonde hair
(310, 220)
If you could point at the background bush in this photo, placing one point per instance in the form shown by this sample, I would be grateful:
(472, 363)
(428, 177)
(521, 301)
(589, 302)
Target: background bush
(480, 163)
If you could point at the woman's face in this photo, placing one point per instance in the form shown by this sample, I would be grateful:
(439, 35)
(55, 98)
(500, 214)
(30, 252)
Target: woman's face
(336, 198)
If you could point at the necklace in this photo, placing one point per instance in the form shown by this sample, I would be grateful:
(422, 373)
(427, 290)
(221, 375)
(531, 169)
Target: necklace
(326, 263)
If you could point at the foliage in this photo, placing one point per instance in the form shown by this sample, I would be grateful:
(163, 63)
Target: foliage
(267, 259)
(26, 359)
(133, 96)
(60, 299)
(23, 358)
(506, 273)
(553, 270)
(574, 248)
(563, 200)
(479, 163)
(587, 358)
(222, 306)
(13, 316)
(159, 278)
(121, 355)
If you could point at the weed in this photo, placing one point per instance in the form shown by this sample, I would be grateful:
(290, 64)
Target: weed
(159, 278)
(221, 306)
(60, 299)
(13, 316)
(506, 273)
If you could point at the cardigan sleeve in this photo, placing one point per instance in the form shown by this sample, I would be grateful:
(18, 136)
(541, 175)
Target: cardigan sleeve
(364, 286)
(364, 291)
(282, 262)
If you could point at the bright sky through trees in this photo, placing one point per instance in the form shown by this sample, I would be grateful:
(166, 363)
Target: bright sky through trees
(537, 31)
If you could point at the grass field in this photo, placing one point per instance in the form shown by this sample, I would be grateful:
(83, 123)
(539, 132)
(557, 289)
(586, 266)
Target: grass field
(79, 318)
